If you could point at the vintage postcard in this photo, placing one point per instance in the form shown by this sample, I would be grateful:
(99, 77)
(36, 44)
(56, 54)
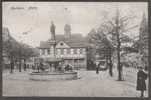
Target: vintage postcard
(75, 49)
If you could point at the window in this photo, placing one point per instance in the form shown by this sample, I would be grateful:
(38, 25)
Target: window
(48, 51)
(58, 51)
(75, 51)
(81, 51)
(68, 51)
(62, 51)
(61, 44)
(43, 51)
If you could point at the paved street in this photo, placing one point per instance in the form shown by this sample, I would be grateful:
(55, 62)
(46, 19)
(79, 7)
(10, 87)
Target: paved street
(89, 84)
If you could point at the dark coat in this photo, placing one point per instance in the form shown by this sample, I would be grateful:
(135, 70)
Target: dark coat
(97, 70)
(141, 77)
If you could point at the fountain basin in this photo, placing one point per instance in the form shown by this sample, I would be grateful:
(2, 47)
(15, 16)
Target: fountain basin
(49, 76)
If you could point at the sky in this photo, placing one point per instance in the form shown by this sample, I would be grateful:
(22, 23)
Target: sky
(35, 17)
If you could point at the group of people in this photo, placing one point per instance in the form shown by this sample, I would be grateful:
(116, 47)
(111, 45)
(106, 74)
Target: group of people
(56, 67)
(106, 66)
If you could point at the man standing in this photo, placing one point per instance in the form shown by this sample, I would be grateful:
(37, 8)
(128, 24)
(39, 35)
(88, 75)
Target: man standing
(110, 68)
(97, 67)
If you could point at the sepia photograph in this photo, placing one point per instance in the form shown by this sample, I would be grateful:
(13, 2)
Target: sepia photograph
(75, 49)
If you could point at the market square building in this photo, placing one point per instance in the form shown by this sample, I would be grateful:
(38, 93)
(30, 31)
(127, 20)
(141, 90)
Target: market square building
(72, 48)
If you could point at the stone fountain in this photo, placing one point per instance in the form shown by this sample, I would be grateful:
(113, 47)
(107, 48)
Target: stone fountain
(56, 66)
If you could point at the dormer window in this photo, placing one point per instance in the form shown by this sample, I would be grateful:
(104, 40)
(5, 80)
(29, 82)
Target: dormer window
(61, 44)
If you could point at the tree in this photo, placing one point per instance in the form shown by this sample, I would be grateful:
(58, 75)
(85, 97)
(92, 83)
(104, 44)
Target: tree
(141, 44)
(26, 52)
(11, 49)
(117, 28)
(143, 40)
(16, 51)
(99, 44)
(91, 49)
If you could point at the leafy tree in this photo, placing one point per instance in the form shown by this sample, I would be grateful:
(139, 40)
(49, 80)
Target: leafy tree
(142, 43)
(17, 51)
(10, 47)
(99, 44)
(117, 28)
(91, 50)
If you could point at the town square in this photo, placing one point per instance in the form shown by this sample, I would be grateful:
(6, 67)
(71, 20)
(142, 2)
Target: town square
(75, 49)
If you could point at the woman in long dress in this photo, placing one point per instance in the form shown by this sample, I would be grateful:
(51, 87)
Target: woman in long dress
(141, 77)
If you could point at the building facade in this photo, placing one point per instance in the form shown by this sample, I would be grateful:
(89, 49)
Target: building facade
(72, 48)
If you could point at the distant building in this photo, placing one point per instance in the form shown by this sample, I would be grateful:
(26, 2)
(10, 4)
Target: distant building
(72, 48)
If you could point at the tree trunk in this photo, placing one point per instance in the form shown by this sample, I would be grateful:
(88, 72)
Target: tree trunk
(118, 47)
(119, 63)
(111, 67)
(118, 57)
(25, 65)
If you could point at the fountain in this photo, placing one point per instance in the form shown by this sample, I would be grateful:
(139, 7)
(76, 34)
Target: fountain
(56, 71)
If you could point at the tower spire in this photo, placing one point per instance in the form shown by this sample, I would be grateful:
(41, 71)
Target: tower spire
(52, 30)
(67, 30)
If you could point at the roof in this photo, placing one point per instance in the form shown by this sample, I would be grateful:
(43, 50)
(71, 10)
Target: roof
(75, 40)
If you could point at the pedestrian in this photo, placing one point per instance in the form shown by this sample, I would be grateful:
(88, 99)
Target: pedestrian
(110, 68)
(38, 66)
(141, 77)
(33, 68)
(67, 67)
(25, 66)
(97, 67)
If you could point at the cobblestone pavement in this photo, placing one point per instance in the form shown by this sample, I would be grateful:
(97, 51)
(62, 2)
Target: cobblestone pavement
(88, 84)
